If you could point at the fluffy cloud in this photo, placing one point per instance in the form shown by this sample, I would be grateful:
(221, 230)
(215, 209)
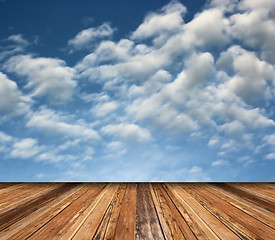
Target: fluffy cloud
(46, 77)
(105, 108)
(12, 102)
(25, 148)
(220, 163)
(86, 38)
(51, 123)
(155, 25)
(4, 137)
(127, 132)
(206, 36)
(256, 27)
(9, 93)
(252, 76)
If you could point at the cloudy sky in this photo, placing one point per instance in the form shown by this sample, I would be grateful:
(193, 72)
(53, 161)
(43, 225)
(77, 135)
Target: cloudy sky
(137, 90)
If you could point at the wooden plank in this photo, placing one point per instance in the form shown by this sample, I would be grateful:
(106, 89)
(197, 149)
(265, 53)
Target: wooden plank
(191, 223)
(183, 224)
(126, 222)
(88, 228)
(7, 184)
(30, 224)
(147, 223)
(254, 226)
(168, 215)
(215, 209)
(137, 211)
(209, 223)
(107, 228)
(255, 211)
(253, 196)
(21, 200)
(76, 222)
(256, 192)
(10, 217)
(65, 219)
(163, 224)
(8, 190)
(263, 188)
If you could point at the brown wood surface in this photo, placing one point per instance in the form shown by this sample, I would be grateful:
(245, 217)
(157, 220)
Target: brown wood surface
(137, 211)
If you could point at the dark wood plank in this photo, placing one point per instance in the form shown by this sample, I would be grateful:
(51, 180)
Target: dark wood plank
(147, 222)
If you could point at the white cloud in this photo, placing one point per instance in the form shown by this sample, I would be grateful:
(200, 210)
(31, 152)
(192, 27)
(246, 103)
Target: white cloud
(252, 75)
(195, 169)
(105, 108)
(46, 77)
(9, 93)
(220, 163)
(4, 137)
(127, 132)
(167, 21)
(51, 123)
(270, 139)
(234, 128)
(18, 39)
(86, 38)
(270, 156)
(256, 28)
(52, 156)
(213, 141)
(12, 102)
(25, 148)
(206, 36)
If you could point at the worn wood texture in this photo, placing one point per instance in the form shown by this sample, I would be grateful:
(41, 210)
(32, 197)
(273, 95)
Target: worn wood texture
(137, 211)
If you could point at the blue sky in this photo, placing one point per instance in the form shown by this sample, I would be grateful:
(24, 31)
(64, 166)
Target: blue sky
(137, 90)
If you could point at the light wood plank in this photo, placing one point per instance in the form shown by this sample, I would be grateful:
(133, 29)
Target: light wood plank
(126, 222)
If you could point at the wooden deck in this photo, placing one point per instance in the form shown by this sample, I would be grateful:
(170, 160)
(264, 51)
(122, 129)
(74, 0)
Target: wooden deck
(137, 211)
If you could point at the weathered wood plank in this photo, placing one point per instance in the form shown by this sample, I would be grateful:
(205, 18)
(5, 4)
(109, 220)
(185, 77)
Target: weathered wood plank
(21, 211)
(33, 222)
(168, 215)
(257, 228)
(163, 224)
(255, 211)
(107, 227)
(87, 230)
(137, 211)
(127, 219)
(147, 223)
(64, 220)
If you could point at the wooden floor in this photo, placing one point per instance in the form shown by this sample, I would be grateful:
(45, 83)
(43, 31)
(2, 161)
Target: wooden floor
(137, 211)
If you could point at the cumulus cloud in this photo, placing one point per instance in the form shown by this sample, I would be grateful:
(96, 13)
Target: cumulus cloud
(25, 148)
(86, 38)
(4, 137)
(156, 25)
(256, 27)
(127, 132)
(105, 108)
(50, 122)
(46, 77)
(252, 76)
(12, 102)
(9, 93)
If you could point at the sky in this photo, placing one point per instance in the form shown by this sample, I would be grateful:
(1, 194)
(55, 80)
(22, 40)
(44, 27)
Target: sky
(148, 90)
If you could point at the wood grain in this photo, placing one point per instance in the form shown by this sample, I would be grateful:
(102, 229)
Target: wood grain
(137, 211)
